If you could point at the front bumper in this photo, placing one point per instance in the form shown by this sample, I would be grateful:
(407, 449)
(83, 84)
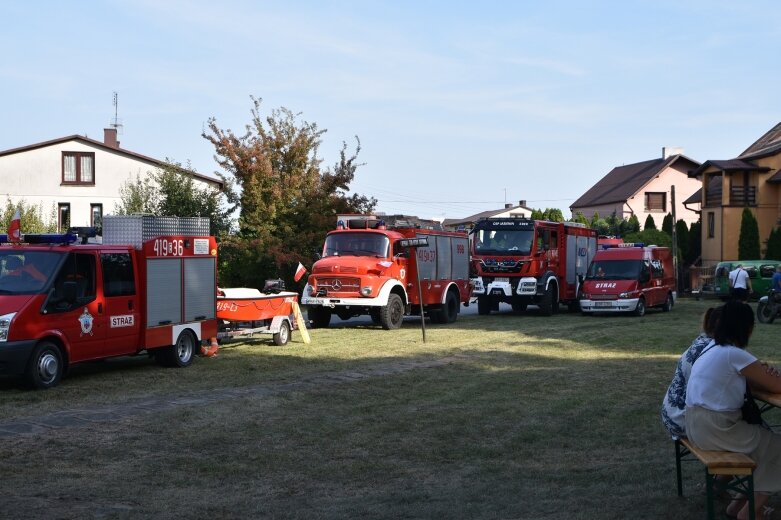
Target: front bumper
(14, 356)
(623, 305)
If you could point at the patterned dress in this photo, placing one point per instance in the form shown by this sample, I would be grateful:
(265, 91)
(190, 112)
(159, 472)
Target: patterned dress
(674, 404)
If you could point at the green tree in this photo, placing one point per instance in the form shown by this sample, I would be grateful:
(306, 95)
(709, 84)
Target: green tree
(649, 222)
(553, 215)
(695, 242)
(537, 214)
(137, 196)
(748, 241)
(594, 220)
(650, 237)
(286, 202)
(667, 224)
(682, 238)
(580, 218)
(31, 217)
(773, 251)
(630, 225)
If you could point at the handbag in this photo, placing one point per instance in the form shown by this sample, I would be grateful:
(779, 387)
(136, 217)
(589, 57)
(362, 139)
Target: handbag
(750, 409)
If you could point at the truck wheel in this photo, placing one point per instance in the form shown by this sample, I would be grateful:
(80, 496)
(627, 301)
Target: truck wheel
(548, 301)
(766, 312)
(668, 303)
(45, 367)
(449, 312)
(640, 309)
(180, 354)
(483, 305)
(392, 314)
(319, 316)
(283, 336)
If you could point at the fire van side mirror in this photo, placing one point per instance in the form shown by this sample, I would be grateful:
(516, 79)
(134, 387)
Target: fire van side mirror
(69, 291)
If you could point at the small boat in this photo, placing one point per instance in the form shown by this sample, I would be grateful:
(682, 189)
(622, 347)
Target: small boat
(245, 304)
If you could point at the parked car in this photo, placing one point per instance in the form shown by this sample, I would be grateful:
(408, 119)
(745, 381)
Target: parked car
(759, 271)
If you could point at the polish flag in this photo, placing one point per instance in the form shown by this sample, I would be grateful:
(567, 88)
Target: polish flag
(300, 270)
(15, 228)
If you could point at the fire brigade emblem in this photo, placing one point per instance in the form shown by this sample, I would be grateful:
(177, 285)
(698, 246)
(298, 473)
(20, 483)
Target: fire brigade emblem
(86, 322)
(402, 273)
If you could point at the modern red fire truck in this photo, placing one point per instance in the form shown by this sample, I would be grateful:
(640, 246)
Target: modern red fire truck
(522, 262)
(629, 278)
(150, 285)
(366, 267)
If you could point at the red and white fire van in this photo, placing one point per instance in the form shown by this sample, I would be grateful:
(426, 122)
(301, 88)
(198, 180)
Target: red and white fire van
(629, 278)
(150, 285)
(367, 268)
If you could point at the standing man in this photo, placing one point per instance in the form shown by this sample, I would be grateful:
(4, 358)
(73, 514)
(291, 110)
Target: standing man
(775, 283)
(739, 284)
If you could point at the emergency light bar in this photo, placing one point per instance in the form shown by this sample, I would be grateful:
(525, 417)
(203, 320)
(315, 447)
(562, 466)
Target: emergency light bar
(46, 238)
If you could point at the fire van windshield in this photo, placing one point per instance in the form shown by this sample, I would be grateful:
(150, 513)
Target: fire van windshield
(503, 241)
(26, 272)
(356, 244)
(615, 270)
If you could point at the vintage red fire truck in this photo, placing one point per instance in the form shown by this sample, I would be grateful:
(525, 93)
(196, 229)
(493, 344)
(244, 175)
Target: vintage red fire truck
(367, 268)
(150, 285)
(629, 278)
(522, 261)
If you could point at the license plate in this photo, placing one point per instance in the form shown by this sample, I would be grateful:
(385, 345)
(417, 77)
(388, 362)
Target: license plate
(502, 279)
(603, 304)
(314, 301)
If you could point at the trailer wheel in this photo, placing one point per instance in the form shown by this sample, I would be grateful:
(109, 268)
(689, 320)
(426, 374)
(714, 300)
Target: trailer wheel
(319, 316)
(548, 302)
(46, 367)
(668, 303)
(640, 309)
(392, 314)
(283, 336)
(181, 353)
(483, 305)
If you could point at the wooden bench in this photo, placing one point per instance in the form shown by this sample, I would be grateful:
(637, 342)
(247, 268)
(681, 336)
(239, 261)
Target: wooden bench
(739, 465)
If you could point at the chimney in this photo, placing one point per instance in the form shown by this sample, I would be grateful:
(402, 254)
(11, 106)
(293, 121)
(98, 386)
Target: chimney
(669, 151)
(507, 205)
(110, 137)
(522, 203)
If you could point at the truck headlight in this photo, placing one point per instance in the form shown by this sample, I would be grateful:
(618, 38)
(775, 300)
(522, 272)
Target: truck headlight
(5, 325)
(366, 291)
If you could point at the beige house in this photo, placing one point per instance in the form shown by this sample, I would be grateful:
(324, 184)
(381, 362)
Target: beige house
(751, 180)
(78, 177)
(642, 189)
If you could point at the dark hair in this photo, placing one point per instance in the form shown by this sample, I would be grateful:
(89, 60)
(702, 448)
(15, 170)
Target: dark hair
(711, 320)
(735, 325)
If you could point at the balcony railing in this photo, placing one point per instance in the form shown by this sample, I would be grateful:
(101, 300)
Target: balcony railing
(738, 196)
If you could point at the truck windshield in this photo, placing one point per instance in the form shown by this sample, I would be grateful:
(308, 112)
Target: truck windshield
(503, 241)
(614, 270)
(26, 272)
(351, 243)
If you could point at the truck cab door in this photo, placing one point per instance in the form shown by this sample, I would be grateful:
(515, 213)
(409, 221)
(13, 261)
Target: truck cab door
(120, 293)
(74, 308)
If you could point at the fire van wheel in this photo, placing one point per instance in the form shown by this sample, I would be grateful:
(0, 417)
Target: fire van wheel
(668, 303)
(319, 316)
(283, 336)
(46, 366)
(547, 303)
(640, 309)
(483, 305)
(392, 314)
(181, 353)
(449, 312)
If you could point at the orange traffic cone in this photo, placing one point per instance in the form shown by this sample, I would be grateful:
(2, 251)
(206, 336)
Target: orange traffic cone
(212, 350)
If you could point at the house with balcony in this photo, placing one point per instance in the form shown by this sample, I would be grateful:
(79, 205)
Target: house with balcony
(751, 180)
(644, 188)
(77, 178)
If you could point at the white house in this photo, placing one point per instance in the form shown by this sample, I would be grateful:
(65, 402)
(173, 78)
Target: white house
(79, 176)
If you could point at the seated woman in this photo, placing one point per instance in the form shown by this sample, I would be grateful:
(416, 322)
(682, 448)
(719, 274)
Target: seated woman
(674, 404)
(714, 397)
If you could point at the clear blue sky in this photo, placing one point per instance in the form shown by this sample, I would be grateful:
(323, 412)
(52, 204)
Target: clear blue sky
(460, 106)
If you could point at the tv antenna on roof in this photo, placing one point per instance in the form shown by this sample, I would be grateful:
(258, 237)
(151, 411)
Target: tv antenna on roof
(116, 123)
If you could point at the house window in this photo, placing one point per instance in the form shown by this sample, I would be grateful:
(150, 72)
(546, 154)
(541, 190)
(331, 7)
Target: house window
(655, 202)
(711, 224)
(96, 215)
(78, 168)
(63, 216)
